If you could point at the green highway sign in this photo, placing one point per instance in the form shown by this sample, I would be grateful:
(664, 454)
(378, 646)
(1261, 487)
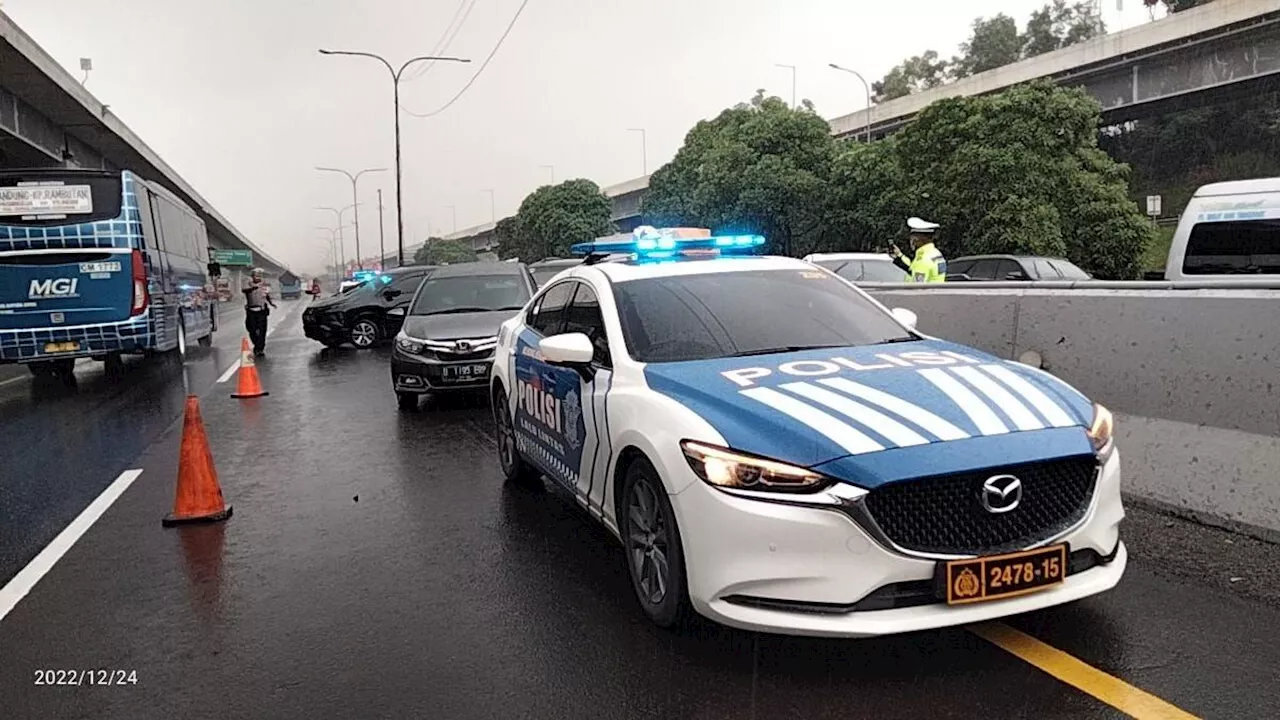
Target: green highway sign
(233, 257)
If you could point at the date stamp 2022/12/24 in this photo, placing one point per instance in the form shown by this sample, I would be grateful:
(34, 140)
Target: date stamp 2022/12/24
(87, 676)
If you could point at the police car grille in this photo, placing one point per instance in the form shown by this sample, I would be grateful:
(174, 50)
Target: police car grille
(945, 515)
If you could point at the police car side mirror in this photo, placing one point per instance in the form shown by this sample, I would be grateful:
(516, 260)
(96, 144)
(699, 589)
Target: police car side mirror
(573, 350)
(905, 316)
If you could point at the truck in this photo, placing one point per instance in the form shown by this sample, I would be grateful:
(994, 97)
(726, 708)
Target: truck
(290, 286)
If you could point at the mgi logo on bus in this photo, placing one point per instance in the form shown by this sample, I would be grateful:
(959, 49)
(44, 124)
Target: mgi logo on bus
(53, 288)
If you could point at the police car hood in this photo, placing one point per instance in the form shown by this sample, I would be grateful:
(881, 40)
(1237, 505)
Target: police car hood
(875, 414)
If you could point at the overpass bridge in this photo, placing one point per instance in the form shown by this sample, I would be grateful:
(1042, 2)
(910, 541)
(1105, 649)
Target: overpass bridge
(1225, 49)
(48, 119)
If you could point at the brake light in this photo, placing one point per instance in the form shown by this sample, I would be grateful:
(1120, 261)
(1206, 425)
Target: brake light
(140, 297)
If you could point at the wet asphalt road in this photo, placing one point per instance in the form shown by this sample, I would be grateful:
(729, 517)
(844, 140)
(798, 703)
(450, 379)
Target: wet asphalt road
(376, 567)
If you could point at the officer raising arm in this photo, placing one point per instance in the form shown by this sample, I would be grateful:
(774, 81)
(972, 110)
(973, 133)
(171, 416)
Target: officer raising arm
(927, 264)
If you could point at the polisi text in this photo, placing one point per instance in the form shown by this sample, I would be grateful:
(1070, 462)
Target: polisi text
(746, 377)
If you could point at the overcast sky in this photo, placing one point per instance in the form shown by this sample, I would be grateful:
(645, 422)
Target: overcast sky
(235, 97)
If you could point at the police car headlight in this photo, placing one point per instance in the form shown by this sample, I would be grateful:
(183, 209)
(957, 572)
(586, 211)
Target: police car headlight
(727, 469)
(1100, 431)
(409, 345)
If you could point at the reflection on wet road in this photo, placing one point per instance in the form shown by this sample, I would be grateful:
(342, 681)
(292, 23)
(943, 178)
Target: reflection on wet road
(377, 566)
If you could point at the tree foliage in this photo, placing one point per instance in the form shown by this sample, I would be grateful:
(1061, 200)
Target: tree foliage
(1179, 5)
(760, 166)
(439, 251)
(995, 42)
(1059, 24)
(554, 217)
(1016, 172)
(922, 72)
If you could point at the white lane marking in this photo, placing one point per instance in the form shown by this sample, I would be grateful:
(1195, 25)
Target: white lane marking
(977, 410)
(12, 380)
(894, 431)
(26, 579)
(916, 414)
(1020, 414)
(1051, 411)
(835, 429)
(230, 371)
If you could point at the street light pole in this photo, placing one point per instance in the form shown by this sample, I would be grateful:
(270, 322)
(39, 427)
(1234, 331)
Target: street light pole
(866, 86)
(792, 68)
(355, 200)
(493, 208)
(382, 244)
(644, 148)
(342, 242)
(454, 209)
(552, 168)
(395, 83)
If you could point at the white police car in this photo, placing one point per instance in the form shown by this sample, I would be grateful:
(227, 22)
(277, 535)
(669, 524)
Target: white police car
(779, 452)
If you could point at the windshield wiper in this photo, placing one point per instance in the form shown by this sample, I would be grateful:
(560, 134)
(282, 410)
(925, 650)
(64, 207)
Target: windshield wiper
(782, 349)
(905, 338)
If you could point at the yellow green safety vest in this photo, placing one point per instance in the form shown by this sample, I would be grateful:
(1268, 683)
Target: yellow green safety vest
(928, 265)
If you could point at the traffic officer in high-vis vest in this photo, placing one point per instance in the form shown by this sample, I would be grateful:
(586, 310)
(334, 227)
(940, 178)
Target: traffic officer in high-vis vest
(927, 264)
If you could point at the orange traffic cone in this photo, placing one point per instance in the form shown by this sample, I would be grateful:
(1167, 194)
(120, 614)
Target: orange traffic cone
(250, 386)
(198, 498)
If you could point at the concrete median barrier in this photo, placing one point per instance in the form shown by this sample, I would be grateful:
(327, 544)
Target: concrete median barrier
(1191, 371)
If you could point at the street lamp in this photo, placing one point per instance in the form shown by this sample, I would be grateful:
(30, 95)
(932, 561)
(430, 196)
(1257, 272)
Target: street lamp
(333, 241)
(644, 148)
(552, 168)
(342, 243)
(355, 203)
(395, 82)
(454, 209)
(792, 68)
(493, 208)
(865, 85)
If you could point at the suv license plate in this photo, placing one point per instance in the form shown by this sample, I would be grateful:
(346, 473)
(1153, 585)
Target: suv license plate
(1004, 576)
(60, 347)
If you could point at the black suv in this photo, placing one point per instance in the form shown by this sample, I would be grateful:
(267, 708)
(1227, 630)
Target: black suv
(1012, 268)
(368, 313)
(449, 336)
(544, 270)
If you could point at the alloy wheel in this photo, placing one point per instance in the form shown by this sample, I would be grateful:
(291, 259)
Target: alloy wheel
(648, 541)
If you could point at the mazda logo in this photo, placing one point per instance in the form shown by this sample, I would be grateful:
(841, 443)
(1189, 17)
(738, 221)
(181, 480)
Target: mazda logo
(1001, 493)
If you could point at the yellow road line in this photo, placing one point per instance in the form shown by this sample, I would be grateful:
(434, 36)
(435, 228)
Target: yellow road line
(1107, 688)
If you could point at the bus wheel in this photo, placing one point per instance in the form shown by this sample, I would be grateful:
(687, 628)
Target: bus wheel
(43, 369)
(181, 350)
(113, 364)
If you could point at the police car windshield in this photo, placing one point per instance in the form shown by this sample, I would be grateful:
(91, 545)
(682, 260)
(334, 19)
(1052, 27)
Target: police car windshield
(470, 293)
(733, 314)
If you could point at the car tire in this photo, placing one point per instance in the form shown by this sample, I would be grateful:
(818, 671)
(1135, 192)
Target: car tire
(407, 402)
(514, 468)
(652, 546)
(365, 333)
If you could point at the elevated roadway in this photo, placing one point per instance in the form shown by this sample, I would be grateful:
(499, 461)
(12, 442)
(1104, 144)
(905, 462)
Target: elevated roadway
(48, 119)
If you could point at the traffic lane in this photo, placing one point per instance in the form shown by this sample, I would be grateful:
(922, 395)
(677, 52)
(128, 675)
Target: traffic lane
(1195, 620)
(376, 566)
(62, 444)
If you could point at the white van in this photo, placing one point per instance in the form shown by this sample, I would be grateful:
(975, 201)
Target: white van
(1229, 231)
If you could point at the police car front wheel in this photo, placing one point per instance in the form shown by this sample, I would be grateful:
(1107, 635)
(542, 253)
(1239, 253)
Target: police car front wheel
(514, 468)
(655, 555)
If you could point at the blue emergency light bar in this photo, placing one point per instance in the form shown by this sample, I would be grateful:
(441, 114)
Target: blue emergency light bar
(648, 243)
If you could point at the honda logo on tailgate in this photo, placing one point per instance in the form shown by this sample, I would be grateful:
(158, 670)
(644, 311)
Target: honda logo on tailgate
(53, 288)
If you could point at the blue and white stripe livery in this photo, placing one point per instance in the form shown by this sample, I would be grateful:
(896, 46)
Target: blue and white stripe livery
(884, 413)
